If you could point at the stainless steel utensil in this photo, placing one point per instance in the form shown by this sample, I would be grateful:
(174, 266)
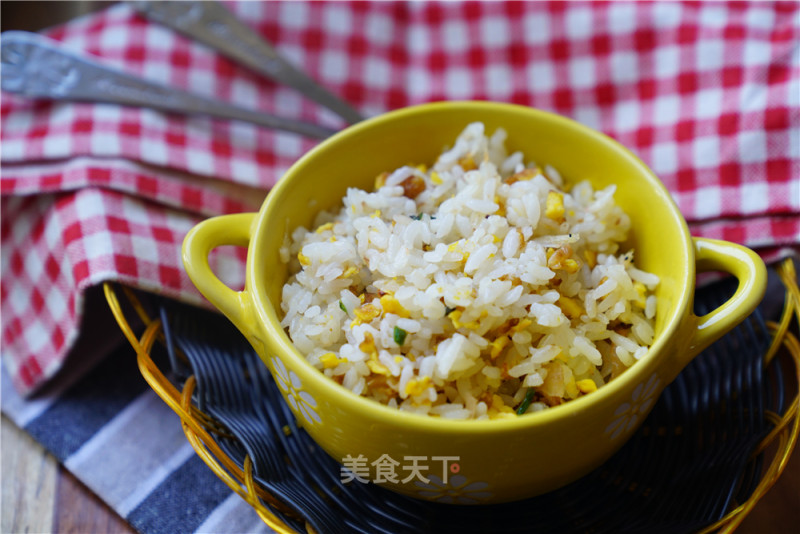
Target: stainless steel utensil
(39, 67)
(213, 25)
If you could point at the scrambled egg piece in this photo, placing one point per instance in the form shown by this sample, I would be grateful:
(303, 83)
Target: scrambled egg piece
(499, 409)
(498, 345)
(368, 345)
(367, 312)
(330, 360)
(417, 386)
(455, 317)
(392, 305)
(377, 367)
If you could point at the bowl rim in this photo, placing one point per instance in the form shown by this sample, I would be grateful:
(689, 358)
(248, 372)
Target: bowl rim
(317, 383)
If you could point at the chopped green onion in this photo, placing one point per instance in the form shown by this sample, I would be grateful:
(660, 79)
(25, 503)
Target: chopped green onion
(342, 306)
(399, 335)
(526, 402)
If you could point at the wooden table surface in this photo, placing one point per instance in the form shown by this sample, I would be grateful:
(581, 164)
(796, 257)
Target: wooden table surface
(40, 496)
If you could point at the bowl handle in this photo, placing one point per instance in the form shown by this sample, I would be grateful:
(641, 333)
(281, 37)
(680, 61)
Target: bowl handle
(199, 242)
(748, 268)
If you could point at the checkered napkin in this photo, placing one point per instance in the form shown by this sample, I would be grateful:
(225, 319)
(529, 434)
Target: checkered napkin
(706, 93)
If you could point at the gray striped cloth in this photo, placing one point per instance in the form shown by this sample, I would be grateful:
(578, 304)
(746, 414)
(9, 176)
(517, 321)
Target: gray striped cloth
(102, 421)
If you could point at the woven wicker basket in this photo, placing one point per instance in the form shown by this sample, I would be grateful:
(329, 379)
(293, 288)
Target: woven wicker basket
(718, 439)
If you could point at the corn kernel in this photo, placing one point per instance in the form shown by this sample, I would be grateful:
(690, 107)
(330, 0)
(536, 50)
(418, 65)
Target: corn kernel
(523, 175)
(303, 259)
(467, 163)
(570, 307)
(435, 178)
(591, 258)
(641, 292)
(501, 209)
(554, 208)
(560, 259)
(571, 388)
(571, 265)
(323, 227)
(586, 385)
(380, 180)
(521, 325)
(413, 186)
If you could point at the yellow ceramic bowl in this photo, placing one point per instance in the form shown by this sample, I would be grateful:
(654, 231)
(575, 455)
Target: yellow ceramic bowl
(473, 461)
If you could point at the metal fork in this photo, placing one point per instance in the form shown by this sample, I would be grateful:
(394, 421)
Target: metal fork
(212, 24)
(38, 67)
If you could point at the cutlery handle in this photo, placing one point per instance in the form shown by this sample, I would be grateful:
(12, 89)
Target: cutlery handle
(213, 25)
(38, 67)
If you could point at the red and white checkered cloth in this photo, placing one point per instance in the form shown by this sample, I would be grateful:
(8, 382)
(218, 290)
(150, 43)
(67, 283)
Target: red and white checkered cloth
(706, 93)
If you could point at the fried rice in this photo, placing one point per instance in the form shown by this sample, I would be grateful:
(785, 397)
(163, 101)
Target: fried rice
(479, 287)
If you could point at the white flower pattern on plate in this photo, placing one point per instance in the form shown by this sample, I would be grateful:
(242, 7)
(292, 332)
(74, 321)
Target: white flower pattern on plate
(628, 413)
(300, 401)
(458, 490)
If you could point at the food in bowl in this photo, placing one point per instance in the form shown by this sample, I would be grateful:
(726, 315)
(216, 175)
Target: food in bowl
(482, 287)
(510, 458)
